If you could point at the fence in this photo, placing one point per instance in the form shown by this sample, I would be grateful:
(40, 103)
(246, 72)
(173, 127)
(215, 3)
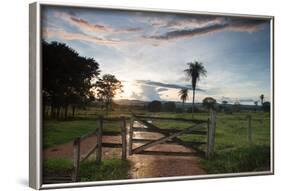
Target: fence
(171, 135)
(99, 132)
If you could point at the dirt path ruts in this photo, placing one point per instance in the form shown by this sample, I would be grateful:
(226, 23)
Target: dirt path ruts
(142, 166)
(148, 166)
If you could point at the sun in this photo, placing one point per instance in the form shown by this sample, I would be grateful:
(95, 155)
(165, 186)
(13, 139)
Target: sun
(128, 89)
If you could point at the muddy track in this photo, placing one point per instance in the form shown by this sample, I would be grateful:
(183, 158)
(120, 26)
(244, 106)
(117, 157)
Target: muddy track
(142, 166)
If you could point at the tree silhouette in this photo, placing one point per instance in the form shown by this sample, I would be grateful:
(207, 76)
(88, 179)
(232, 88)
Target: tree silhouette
(209, 103)
(224, 102)
(107, 87)
(266, 106)
(169, 106)
(236, 106)
(194, 72)
(155, 106)
(256, 104)
(262, 98)
(183, 93)
(67, 77)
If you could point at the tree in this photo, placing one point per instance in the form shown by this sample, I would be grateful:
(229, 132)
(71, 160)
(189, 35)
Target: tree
(194, 72)
(67, 77)
(236, 106)
(209, 103)
(256, 105)
(262, 98)
(223, 107)
(107, 87)
(169, 106)
(266, 106)
(154, 106)
(183, 93)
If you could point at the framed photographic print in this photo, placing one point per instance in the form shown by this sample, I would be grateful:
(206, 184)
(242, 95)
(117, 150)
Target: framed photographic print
(126, 95)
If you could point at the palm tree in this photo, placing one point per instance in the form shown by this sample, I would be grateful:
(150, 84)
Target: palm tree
(183, 93)
(256, 104)
(194, 72)
(262, 97)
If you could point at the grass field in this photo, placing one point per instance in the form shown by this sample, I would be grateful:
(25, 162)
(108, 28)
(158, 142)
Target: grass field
(111, 169)
(233, 153)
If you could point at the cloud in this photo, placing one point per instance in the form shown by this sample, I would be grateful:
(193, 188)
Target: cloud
(238, 25)
(246, 100)
(183, 21)
(162, 89)
(241, 100)
(136, 96)
(88, 26)
(166, 85)
(148, 93)
(59, 33)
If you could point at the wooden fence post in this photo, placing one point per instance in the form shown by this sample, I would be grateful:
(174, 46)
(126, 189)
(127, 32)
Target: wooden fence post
(124, 139)
(131, 135)
(99, 140)
(211, 134)
(250, 129)
(208, 138)
(76, 159)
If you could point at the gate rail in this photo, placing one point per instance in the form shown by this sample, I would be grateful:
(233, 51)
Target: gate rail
(171, 135)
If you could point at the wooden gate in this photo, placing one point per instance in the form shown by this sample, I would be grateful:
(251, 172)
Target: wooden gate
(199, 127)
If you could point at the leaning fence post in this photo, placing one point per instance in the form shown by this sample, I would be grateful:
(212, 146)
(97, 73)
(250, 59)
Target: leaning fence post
(124, 139)
(211, 134)
(131, 135)
(99, 140)
(250, 129)
(76, 158)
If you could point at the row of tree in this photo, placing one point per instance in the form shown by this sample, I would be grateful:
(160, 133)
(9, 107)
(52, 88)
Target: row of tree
(71, 81)
(207, 103)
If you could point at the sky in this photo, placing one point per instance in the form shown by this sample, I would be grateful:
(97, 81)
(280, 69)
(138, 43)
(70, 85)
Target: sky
(149, 51)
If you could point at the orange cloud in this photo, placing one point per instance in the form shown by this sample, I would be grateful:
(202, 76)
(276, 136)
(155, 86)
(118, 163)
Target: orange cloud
(87, 26)
(49, 33)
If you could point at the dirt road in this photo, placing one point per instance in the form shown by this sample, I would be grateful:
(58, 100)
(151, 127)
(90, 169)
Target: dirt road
(142, 166)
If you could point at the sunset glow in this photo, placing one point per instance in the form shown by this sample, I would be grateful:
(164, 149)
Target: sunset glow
(148, 51)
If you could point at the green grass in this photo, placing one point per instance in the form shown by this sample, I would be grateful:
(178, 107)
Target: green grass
(233, 153)
(58, 132)
(112, 169)
(57, 167)
(232, 150)
(244, 159)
